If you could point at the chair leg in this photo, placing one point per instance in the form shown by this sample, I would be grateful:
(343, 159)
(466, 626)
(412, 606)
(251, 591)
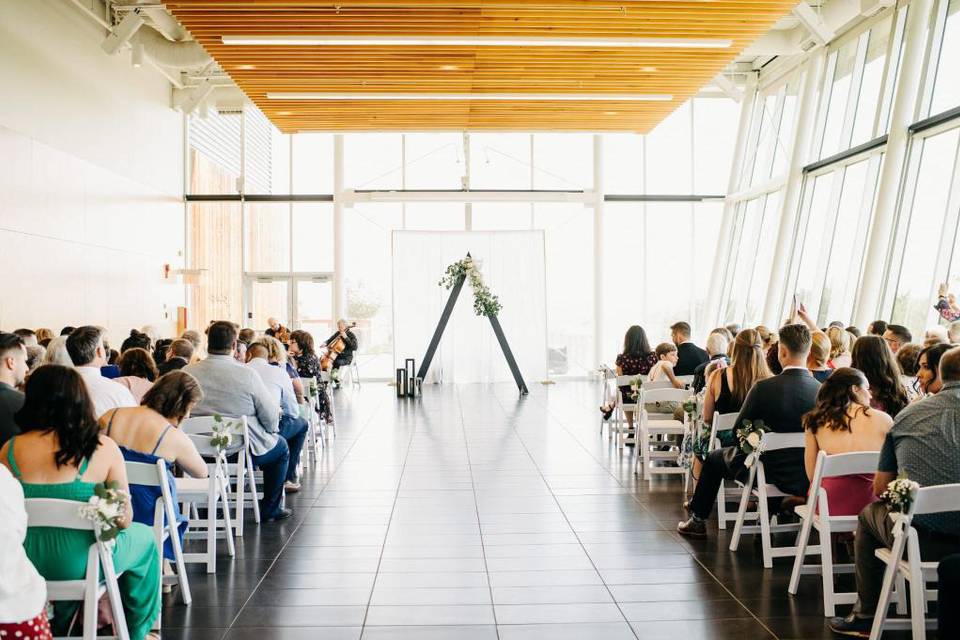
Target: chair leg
(803, 538)
(252, 480)
(883, 603)
(741, 514)
(240, 492)
(90, 596)
(826, 569)
(227, 525)
(182, 579)
(765, 542)
(721, 504)
(212, 526)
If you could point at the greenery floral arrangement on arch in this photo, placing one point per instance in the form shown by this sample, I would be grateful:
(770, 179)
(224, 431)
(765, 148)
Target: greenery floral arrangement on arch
(485, 303)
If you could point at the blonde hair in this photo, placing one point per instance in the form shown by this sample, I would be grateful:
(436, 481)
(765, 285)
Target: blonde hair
(748, 363)
(275, 350)
(717, 343)
(820, 347)
(766, 336)
(839, 341)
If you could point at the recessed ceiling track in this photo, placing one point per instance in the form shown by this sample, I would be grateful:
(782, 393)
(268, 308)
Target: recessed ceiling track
(475, 41)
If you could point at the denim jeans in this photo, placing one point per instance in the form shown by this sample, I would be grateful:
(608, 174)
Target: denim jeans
(274, 464)
(294, 431)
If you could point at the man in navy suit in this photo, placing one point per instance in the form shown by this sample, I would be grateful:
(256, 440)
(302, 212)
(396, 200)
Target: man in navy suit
(689, 355)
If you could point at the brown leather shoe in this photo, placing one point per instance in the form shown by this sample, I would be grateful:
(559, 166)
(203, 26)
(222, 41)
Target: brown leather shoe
(693, 528)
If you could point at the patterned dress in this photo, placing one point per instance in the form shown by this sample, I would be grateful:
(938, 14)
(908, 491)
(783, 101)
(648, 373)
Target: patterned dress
(308, 366)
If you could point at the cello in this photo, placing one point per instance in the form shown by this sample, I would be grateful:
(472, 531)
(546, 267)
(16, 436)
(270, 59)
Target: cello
(334, 349)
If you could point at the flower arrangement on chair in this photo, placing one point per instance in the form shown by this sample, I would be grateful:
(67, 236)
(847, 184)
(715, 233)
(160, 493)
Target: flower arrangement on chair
(899, 494)
(106, 510)
(223, 432)
(750, 438)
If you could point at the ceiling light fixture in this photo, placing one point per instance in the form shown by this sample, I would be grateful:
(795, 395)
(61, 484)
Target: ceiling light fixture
(246, 67)
(474, 41)
(448, 67)
(648, 69)
(537, 97)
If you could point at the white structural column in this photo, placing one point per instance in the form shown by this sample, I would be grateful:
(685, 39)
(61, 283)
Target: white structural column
(598, 343)
(468, 207)
(722, 255)
(339, 289)
(888, 195)
(803, 135)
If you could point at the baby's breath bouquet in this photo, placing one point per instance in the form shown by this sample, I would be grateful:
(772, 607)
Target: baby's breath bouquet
(749, 437)
(106, 509)
(223, 432)
(899, 494)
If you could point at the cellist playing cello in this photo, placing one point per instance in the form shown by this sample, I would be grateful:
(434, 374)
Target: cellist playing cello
(340, 348)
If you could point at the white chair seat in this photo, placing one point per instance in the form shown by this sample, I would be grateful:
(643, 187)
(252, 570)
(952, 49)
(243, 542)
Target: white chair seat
(191, 485)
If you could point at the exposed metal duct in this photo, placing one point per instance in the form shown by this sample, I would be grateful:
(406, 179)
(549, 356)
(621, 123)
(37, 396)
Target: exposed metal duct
(184, 56)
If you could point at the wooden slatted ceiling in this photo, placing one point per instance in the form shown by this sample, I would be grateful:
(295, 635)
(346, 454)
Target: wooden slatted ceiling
(679, 72)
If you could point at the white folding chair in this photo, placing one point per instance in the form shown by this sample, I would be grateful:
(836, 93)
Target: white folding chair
(325, 377)
(757, 486)
(686, 380)
(927, 500)
(242, 473)
(64, 514)
(723, 422)
(354, 372)
(620, 424)
(815, 514)
(209, 493)
(164, 519)
(315, 431)
(652, 428)
(608, 395)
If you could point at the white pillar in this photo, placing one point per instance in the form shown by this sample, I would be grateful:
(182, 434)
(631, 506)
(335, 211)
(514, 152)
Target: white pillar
(468, 207)
(803, 134)
(339, 289)
(722, 255)
(901, 117)
(598, 344)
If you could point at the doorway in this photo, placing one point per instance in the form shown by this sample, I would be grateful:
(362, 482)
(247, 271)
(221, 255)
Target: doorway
(303, 301)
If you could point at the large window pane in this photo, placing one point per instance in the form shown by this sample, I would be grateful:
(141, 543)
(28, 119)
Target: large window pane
(214, 153)
(496, 216)
(714, 139)
(213, 237)
(871, 83)
(568, 229)
(763, 262)
(670, 164)
(500, 161)
(313, 163)
(434, 160)
(435, 216)
(747, 232)
(946, 90)
(815, 233)
(372, 161)
(845, 59)
(623, 163)
(562, 161)
(368, 229)
(769, 114)
(926, 220)
(267, 236)
(312, 236)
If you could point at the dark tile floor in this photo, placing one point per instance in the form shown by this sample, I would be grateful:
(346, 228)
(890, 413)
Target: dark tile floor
(470, 514)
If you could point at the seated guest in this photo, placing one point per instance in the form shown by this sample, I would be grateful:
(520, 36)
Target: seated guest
(843, 422)
(152, 333)
(348, 339)
(85, 346)
(820, 346)
(23, 593)
(636, 359)
(896, 336)
(876, 361)
(178, 355)
(245, 338)
(928, 369)
(44, 336)
(262, 358)
(61, 454)
(953, 332)
(137, 340)
(277, 330)
(666, 361)
(160, 348)
(717, 346)
(278, 358)
(907, 361)
(839, 347)
(232, 389)
(853, 331)
(148, 433)
(877, 328)
(28, 336)
(305, 358)
(194, 339)
(935, 335)
(138, 372)
(727, 390)
(66, 331)
(924, 445)
(689, 355)
(773, 359)
(734, 329)
(768, 337)
(35, 355)
(13, 371)
(57, 353)
(779, 402)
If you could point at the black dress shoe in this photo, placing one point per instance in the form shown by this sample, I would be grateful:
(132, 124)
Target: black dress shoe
(283, 514)
(693, 528)
(851, 626)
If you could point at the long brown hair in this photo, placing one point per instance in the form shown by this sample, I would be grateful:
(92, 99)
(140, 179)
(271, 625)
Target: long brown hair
(873, 357)
(173, 395)
(834, 400)
(747, 364)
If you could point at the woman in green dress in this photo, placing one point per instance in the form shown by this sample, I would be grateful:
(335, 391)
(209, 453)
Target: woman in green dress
(61, 454)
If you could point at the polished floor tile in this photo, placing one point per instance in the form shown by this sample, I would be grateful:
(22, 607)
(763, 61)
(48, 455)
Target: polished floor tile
(470, 514)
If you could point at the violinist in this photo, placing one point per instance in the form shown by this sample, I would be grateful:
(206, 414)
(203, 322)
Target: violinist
(340, 348)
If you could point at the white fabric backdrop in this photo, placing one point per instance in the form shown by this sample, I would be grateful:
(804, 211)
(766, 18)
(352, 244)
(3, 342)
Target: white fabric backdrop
(512, 265)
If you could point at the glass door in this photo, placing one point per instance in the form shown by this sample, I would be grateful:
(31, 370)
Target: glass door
(313, 306)
(266, 297)
(298, 302)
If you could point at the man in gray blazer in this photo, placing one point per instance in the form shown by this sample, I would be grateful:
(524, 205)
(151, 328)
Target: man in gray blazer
(231, 389)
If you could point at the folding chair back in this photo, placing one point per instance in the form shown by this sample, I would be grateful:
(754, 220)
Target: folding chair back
(723, 422)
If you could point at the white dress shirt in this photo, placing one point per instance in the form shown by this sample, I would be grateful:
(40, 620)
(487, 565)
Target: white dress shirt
(23, 593)
(278, 383)
(105, 393)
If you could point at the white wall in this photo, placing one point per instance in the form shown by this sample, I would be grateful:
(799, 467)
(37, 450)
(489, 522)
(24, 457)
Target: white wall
(91, 178)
